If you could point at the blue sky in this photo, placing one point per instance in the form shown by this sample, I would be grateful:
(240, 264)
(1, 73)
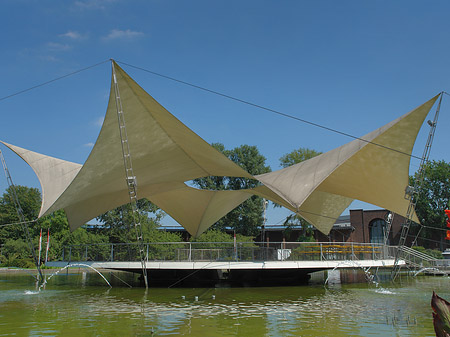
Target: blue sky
(350, 65)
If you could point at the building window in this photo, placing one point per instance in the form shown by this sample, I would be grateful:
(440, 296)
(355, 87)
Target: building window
(377, 229)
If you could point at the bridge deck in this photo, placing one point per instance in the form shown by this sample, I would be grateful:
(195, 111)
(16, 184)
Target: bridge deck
(239, 264)
(229, 265)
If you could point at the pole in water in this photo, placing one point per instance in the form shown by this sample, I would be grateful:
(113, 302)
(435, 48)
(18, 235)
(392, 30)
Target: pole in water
(129, 175)
(48, 245)
(40, 247)
(21, 216)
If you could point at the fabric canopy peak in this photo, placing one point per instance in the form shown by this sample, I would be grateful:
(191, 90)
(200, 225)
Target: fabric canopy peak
(166, 154)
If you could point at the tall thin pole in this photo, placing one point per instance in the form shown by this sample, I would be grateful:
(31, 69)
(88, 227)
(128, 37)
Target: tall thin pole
(40, 247)
(389, 218)
(21, 216)
(411, 192)
(48, 245)
(129, 175)
(263, 229)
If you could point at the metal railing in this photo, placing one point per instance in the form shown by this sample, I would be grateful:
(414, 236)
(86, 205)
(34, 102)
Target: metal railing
(417, 259)
(227, 251)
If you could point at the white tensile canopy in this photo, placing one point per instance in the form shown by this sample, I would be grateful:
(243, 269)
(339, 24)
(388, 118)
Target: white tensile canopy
(374, 169)
(166, 154)
(54, 175)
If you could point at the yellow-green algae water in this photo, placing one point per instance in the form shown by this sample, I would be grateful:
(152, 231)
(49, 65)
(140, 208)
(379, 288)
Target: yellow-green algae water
(79, 303)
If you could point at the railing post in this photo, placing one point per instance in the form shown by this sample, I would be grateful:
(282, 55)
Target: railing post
(147, 252)
(321, 253)
(64, 249)
(190, 251)
(240, 251)
(86, 253)
(70, 253)
(112, 252)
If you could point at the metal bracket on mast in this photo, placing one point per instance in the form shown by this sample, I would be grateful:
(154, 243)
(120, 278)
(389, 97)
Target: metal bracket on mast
(21, 216)
(411, 192)
(129, 176)
(389, 219)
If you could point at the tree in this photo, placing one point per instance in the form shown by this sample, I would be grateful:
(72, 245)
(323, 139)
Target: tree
(118, 227)
(297, 156)
(433, 197)
(248, 216)
(295, 220)
(30, 202)
(119, 222)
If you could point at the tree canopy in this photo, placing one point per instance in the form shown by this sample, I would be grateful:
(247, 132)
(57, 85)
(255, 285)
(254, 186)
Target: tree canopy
(297, 156)
(247, 218)
(433, 197)
(116, 226)
(30, 202)
(119, 223)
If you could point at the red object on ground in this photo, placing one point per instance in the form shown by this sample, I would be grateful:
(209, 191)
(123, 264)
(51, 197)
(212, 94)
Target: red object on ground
(448, 236)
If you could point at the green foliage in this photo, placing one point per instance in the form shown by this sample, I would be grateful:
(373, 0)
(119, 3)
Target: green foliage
(433, 197)
(248, 216)
(15, 253)
(30, 202)
(14, 248)
(119, 222)
(151, 234)
(297, 156)
(437, 254)
(296, 221)
(213, 238)
(118, 228)
(213, 235)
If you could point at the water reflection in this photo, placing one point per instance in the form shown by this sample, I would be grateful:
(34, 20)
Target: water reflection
(75, 305)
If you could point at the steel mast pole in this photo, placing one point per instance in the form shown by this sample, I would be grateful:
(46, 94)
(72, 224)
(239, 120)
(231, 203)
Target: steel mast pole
(21, 217)
(411, 192)
(129, 175)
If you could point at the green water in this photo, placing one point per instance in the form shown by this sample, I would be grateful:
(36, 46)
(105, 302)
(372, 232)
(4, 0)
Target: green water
(81, 304)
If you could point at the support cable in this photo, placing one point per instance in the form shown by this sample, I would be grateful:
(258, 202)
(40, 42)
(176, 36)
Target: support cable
(219, 94)
(269, 109)
(18, 223)
(21, 217)
(412, 192)
(416, 237)
(51, 81)
(129, 175)
(425, 239)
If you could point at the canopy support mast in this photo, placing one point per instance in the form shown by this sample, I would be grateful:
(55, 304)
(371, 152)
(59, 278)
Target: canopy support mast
(389, 219)
(411, 192)
(21, 217)
(130, 177)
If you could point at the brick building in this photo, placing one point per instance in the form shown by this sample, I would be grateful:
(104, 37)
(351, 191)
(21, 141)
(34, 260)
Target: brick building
(367, 226)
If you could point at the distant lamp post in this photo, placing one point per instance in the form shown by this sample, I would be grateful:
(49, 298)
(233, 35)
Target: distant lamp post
(263, 227)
